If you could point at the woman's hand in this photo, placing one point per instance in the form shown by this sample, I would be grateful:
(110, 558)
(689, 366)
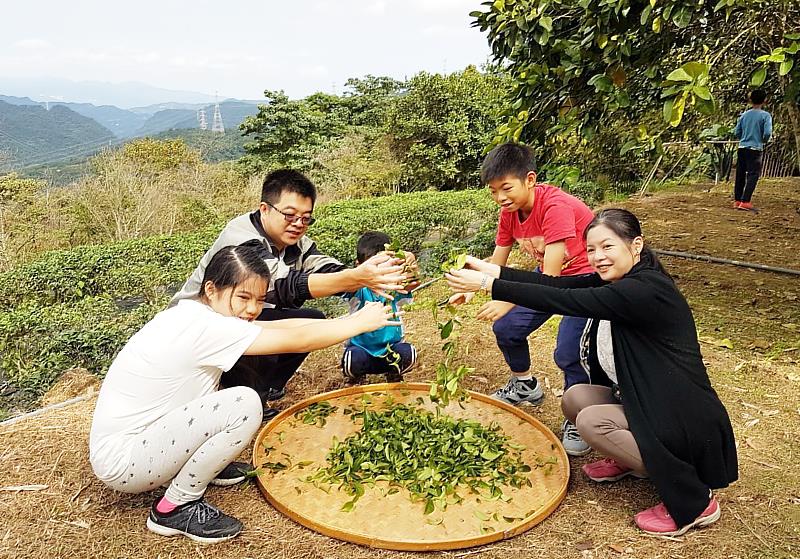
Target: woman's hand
(483, 266)
(462, 281)
(374, 315)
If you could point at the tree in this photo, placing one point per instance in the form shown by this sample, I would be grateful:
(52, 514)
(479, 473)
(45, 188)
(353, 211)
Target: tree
(286, 133)
(576, 64)
(440, 127)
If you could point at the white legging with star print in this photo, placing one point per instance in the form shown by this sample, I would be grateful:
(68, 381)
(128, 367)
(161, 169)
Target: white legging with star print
(190, 445)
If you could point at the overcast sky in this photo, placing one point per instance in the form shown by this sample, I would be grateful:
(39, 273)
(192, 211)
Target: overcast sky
(240, 47)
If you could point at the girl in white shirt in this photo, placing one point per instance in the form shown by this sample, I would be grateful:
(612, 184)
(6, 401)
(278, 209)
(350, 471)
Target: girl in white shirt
(160, 419)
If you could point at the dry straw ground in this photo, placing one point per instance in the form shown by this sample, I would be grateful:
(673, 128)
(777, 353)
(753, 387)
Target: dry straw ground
(72, 515)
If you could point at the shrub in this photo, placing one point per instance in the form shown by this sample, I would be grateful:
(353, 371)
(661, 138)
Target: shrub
(77, 307)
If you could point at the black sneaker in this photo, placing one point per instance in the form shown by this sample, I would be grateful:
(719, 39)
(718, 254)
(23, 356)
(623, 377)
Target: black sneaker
(273, 394)
(197, 520)
(233, 473)
(269, 413)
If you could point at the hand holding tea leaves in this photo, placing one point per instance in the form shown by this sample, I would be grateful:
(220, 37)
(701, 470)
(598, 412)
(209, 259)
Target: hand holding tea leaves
(410, 266)
(381, 273)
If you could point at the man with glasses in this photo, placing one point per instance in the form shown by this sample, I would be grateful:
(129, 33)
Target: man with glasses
(298, 272)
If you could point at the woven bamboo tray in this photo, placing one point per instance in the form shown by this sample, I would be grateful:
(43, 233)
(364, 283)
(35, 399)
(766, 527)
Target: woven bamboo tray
(392, 521)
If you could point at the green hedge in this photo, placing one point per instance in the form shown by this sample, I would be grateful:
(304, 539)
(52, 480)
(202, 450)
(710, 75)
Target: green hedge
(68, 308)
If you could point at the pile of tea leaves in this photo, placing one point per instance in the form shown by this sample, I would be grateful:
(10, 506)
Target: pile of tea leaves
(431, 455)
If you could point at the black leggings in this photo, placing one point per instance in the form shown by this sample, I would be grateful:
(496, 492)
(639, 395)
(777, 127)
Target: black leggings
(748, 171)
(268, 373)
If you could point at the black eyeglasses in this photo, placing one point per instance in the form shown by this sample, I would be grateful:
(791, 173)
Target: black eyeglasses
(294, 218)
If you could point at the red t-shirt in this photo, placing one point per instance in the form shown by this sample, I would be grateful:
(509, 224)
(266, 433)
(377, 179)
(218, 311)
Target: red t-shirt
(556, 216)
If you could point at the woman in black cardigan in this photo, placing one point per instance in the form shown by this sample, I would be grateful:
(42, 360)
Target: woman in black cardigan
(650, 408)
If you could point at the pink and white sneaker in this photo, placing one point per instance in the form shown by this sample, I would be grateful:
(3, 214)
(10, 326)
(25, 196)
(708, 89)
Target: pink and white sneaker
(657, 521)
(608, 469)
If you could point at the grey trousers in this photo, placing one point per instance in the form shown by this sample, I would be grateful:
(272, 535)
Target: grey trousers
(601, 421)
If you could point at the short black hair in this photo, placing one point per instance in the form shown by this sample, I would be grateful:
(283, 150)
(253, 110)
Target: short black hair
(371, 243)
(758, 96)
(287, 180)
(507, 159)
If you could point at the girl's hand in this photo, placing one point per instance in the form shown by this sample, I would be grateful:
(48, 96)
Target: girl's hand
(374, 315)
(483, 266)
(467, 280)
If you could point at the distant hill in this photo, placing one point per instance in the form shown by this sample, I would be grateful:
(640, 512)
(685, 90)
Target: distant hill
(17, 100)
(121, 122)
(30, 134)
(232, 112)
(123, 95)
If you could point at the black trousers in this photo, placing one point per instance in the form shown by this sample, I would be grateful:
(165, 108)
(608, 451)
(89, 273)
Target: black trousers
(268, 373)
(748, 171)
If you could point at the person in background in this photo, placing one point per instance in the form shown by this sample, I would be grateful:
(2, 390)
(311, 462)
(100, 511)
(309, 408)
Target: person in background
(753, 130)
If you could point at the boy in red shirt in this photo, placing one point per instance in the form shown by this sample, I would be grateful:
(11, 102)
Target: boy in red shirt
(548, 224)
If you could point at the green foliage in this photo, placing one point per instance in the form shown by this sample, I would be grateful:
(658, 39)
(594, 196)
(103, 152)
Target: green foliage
(66, 308)
(33, 135)
(441, 126)
(579, 65)
(432, 456)
(287, 133)
(38, 342)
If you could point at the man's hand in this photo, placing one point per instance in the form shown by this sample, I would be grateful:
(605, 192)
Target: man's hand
(381, 273)
(494, 310)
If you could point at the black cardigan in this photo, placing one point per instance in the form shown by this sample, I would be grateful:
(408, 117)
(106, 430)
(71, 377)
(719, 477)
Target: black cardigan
(681, 427)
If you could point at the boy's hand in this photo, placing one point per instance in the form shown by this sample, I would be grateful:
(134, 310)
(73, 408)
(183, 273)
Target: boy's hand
(494, 310)
(460, 298)
(374, 315)
(382, 274)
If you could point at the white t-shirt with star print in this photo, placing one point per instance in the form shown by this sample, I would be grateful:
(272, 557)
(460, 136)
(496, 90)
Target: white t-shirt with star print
(174, 359)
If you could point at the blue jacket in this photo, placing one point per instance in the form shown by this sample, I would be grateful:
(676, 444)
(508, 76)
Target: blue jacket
(375, 342)
(753, 129)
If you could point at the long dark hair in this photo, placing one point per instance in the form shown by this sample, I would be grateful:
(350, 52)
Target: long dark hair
(627, 227)
(233, 265)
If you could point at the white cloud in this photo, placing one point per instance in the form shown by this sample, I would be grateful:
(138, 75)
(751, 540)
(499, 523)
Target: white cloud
(317, 71)
(32, 44)
(378, 7)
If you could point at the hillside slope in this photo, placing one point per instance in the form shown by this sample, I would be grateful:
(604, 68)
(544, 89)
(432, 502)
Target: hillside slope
(30, 134)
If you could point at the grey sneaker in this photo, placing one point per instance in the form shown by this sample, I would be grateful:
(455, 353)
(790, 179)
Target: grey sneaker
(235, 472)
(518, 391)
(197, 520)
(572, 441)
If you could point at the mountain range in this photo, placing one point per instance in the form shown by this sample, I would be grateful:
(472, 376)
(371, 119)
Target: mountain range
(42, 132)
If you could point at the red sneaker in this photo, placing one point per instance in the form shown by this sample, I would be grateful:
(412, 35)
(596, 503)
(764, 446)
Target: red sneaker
(736, 204)
(747, 206)
(657, 521)
(607, 469)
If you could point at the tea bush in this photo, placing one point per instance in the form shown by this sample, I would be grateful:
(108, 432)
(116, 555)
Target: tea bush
(77, 307)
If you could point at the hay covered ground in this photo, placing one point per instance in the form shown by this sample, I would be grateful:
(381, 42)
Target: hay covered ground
(65, 512)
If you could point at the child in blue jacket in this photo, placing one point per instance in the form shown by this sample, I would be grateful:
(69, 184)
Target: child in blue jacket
(383, 351)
